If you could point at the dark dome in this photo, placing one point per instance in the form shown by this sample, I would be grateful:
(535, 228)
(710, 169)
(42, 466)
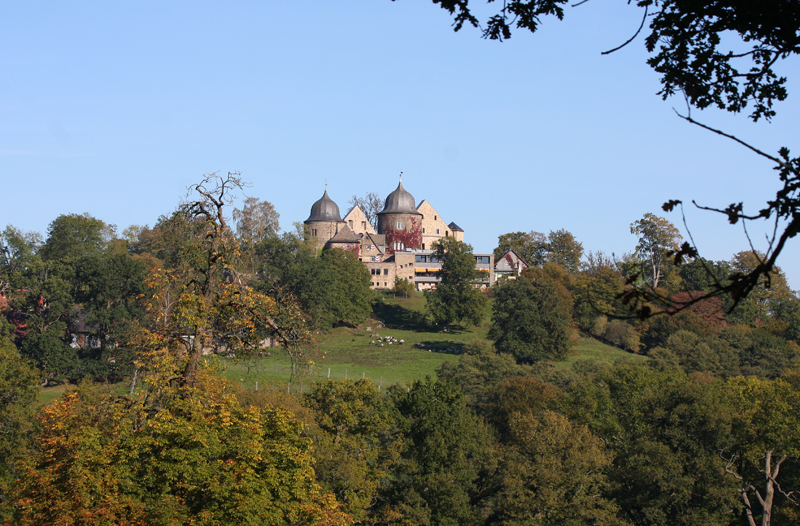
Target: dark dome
(399, 202)
(324, 210)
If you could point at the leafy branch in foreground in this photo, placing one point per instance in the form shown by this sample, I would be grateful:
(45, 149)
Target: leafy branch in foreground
(783, 210)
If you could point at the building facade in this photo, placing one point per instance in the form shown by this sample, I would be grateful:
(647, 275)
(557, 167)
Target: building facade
(400, 246)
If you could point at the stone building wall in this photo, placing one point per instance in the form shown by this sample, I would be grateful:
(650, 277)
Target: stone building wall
(433, 226)
(357, 221)
(322, 231)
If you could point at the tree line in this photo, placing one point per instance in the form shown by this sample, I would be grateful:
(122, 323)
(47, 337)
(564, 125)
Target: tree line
(500, 437)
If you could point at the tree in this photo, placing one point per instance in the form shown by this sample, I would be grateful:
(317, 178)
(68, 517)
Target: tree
(766, 436)
(448, 452)
(111, 285)
(331, 288)
(402, 287)
(657, 238)
(694, 60)
(536, 249)
(666, 431)
(530, 246)
(19, 393)
(759, 306)
(170, 455)
(17, 251)
(70, 236)
(690, 57)
(564, 250)
(455, 298)
(360, 446)
(370, 204)
(256, 220)
(203, 305)
(477, 371)
(531, 320)
(350, 296)
(553, 474)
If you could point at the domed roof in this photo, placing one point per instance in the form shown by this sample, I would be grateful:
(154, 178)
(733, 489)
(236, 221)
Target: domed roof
(324, 209)
(400, 202)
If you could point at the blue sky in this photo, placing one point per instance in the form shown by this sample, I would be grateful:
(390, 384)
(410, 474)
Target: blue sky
(114, 108)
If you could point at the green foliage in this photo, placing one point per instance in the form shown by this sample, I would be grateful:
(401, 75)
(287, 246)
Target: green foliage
(666, 431)
(766, 440)
(455, 299)
(350, 297)
(360, 444)
(618, 333)
(70, 236)
(536, 249)
(256, 220)
(169, 241)
(19, 391)
(170, 455)
(331, 288)
(518, 396)
(531, 320)
(564, 250)
(447, 450)
(478, 370)
(657, 237)
(693, 353)
(402, 287)
(554, 474)
(530, 246)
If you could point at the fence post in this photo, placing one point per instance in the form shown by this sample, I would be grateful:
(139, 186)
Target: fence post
(345, 374)
(329, 373)
(256, 386)
(362, 375)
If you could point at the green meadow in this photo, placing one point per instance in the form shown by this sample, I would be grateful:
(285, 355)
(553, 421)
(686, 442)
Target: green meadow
(357, 352)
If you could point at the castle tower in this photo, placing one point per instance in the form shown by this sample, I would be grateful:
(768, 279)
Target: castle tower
(324, 221)
(399, 220)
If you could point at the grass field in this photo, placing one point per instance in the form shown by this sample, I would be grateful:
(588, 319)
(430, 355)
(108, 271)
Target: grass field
(348, 352)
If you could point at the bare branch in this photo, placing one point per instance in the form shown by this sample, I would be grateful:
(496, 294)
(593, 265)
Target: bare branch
(689, 119)
(630, 39)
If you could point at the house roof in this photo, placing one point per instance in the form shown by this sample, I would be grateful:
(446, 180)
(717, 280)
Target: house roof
(324, 209)
(399, 202)
(344, 235)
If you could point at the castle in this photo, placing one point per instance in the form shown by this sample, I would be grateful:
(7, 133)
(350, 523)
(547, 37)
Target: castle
(400, 248)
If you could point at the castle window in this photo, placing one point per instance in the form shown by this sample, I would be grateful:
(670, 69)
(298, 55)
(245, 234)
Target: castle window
(423, 230)
(435, 218)
(423, 246)
(350, 224)
(386, 272)
(314, 232)
(399, 225)
(437, 230)
(446, 233)
(364, 225)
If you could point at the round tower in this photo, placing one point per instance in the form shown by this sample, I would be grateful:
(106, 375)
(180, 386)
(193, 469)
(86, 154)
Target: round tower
(399, 220)
(324, 221)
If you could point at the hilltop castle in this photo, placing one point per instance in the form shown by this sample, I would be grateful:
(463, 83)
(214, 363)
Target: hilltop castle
(401, 245)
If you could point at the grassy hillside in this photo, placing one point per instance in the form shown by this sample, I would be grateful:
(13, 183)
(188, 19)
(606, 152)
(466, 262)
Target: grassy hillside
(357, 352)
